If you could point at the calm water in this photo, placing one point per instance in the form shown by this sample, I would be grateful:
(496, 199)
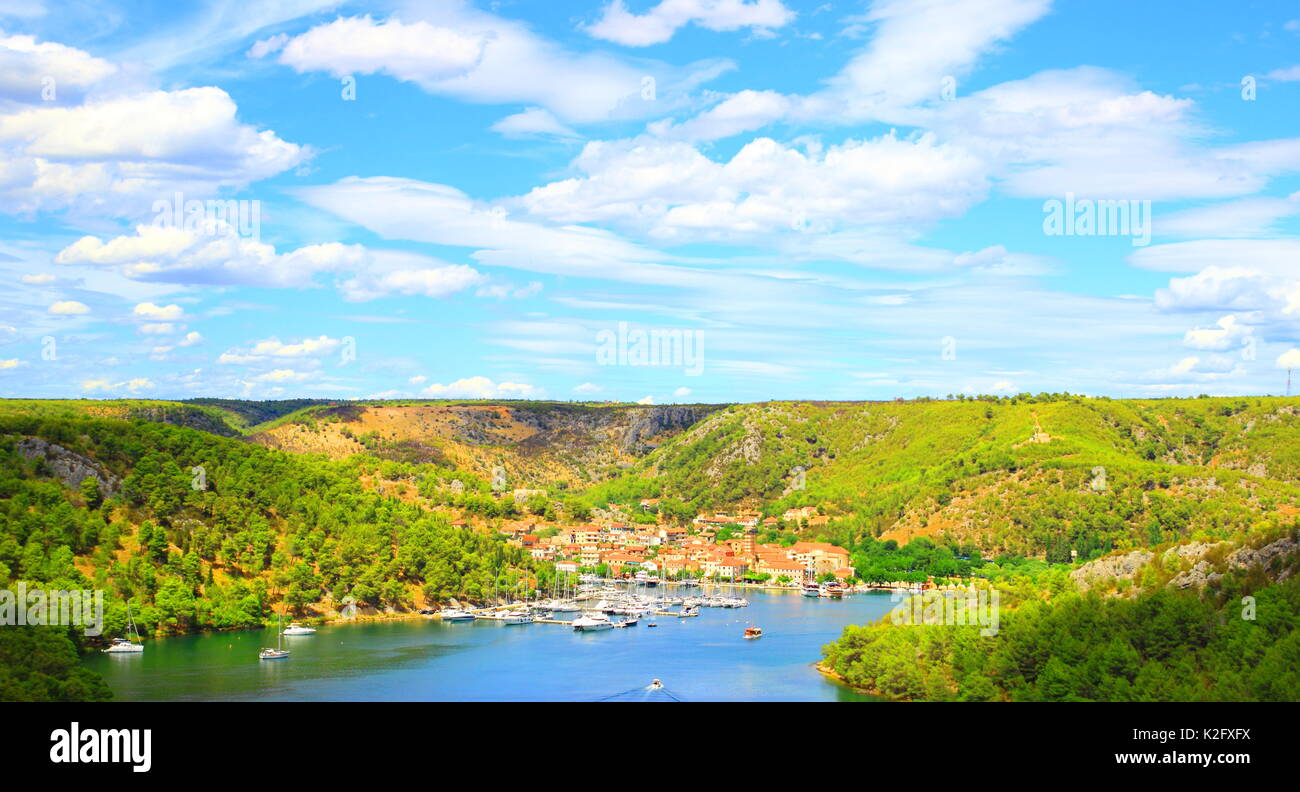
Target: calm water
(424, 660)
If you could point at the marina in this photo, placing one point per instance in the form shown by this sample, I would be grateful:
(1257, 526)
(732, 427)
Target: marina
(700, 658)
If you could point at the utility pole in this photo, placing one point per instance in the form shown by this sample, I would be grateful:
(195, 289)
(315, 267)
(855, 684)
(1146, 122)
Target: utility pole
(1288, 382)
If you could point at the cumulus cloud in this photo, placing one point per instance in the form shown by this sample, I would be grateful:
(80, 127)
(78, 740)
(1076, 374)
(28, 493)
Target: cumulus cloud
(115, 155)
(1227, 334)
(1220, 288)
(104, 384)
(281, 375)
(480, 388)
(659, 23)
(148, 310)
(30, 69)
(671, 189)
(419, 52)
(69, 308)
(1289, 359)
(270, 352)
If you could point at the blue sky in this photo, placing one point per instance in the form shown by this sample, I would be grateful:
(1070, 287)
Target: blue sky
(830, 200)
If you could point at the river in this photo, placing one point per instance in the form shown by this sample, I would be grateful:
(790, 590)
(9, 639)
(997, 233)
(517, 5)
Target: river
(700, 659)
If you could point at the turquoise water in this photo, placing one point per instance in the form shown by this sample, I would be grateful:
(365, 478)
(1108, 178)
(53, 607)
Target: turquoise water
(697, 659)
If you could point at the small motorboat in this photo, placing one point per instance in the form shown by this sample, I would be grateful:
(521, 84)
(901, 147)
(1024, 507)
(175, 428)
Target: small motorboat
(753, 632)
(651, 624)
(295, 628)
(455, 614)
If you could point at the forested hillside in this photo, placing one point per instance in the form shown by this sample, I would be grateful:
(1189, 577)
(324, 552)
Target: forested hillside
(1056, 644)
(1034, 476)
(201, 531)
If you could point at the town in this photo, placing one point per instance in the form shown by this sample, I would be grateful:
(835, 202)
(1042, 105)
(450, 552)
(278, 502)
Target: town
(718, 547)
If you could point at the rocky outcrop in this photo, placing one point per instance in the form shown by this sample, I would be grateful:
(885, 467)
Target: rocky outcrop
(1104, 571)
(1265, 556)
(1208, 567)
(653, 421)
(69, 467)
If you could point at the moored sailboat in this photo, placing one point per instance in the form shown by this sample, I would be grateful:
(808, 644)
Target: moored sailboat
(126, 645)
(279, 652)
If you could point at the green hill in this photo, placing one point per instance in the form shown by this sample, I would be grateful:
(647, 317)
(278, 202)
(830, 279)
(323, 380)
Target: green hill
(1035, 476)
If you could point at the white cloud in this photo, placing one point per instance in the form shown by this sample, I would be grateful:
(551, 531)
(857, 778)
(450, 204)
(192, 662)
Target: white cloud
(158, 328)
(420, 211)
(452, 49)
(646, 400)
(102, 384)
(1246, 217)
(436, 282)
(281, 375)
(27, 66)
(670, 189)
(1227, 334)
(321, 345)
(69, 308)
(1230, 289)
(38, 280)
(148, 310)
(480, 388)
(1289, 359)
(116, 155)
(682, 391)
(659, 23)
(11, 363)
(1288, 74)
(533, 121)
(191, 338)
(587, 387)
(266, 46)
(419, 52)
(170, 255)
(741, 112)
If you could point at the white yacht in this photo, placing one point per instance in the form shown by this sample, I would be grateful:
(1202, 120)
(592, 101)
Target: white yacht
(125, 645)
(455, 614)
(592, 622)
(517, 617)
(295, 628)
